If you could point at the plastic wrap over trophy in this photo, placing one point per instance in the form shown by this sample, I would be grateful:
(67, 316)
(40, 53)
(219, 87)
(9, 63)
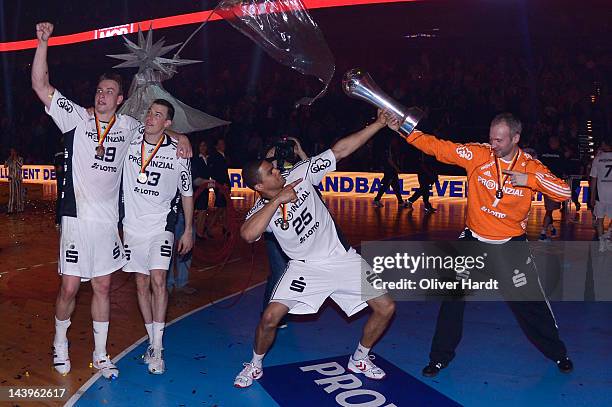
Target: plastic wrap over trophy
(359, 84)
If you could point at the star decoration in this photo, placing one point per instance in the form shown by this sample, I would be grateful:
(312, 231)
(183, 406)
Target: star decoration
(146, 55)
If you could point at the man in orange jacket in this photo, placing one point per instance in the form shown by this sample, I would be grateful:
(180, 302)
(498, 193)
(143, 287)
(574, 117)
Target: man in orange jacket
(502, 180)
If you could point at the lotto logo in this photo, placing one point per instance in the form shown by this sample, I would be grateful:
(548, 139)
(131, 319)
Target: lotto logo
(519, 279)
(72, 256)
(298, 285)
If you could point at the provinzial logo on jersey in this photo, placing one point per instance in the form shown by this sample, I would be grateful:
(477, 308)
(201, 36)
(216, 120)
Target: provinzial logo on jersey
(327, 382)
(111, 138)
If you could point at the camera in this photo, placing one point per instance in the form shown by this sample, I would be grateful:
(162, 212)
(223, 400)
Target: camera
(283, 151)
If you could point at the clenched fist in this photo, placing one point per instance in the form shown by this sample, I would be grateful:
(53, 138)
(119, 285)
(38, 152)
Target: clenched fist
(44, 31)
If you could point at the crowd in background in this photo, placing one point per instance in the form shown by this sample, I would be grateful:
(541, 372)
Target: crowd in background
(557, 87)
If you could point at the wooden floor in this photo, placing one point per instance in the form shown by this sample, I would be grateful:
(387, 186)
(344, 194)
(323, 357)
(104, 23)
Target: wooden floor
(29, 280)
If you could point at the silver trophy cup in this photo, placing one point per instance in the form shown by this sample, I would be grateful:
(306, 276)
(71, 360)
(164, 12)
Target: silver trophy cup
(359, 84)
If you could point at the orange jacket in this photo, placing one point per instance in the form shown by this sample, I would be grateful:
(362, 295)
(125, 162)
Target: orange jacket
(507, 217)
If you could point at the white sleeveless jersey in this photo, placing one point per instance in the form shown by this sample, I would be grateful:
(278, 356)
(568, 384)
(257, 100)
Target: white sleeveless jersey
(151, 207)
(91, 185)
(312, 233)
(602, 170)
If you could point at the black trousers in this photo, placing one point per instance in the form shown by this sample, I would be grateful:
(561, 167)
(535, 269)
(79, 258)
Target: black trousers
(424, 184)
(534, 317)
(390, 178)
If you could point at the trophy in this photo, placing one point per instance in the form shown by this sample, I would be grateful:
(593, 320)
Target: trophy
(359, 84)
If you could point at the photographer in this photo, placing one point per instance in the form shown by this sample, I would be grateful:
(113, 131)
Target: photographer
(283, 154)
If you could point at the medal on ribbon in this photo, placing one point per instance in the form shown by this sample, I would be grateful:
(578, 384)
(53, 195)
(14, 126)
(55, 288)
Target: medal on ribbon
(101, 137)
(285, 224)
(143, 177)
(499, 194)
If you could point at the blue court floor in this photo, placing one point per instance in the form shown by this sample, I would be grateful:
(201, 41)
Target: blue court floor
(495, 364)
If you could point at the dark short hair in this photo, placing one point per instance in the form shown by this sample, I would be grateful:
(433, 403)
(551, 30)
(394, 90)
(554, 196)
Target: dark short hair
(250, 173)
(513, 123)
(164, 102)
(112, 77)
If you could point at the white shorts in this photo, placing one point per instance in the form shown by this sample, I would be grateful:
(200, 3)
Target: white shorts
(602, 209)
(147, 252)
(304, 286)
(89, 249)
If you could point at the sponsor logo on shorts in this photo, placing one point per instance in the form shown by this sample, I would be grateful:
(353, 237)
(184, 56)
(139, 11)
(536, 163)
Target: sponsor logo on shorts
(166, 249)
(298, 285)
(519, 279)
(128, 252)
(116, 251)
(72, 256)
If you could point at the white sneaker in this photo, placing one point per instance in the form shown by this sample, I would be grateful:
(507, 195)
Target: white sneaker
(105, 366)
(61, 360)
(366, 367)
(156, 363)
(148, 355)
(247, 375)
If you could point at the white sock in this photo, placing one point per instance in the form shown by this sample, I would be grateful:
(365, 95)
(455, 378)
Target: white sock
(61, 328)
(100, 330)
(257, 359)
(158, 334)
(149, 328)
(361, 352)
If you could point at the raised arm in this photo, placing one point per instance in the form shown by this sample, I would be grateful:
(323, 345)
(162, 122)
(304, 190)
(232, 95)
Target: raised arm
(40, 70)
(445, 151)
(297, 149)
(347, 145)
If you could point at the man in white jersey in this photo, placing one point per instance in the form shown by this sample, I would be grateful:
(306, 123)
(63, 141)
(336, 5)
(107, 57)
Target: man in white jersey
(601, 189)
(90, 248)
(154, 181)
(322, 264)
